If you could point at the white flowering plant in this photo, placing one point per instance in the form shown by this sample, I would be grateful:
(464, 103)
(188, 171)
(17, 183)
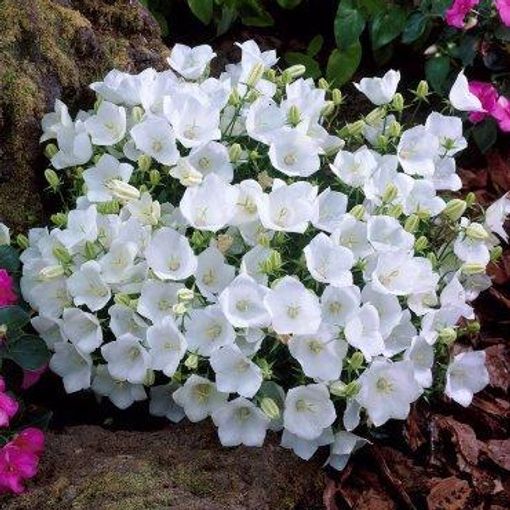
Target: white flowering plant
(232, 250)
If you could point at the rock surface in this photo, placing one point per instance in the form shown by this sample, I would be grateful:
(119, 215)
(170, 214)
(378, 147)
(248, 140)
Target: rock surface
(179, 468)
(50, 49)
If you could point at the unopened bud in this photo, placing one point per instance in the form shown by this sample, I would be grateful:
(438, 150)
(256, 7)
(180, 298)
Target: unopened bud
(112, 207)
(255, 74)
(185, 295)
(390, 193)
(395, 211)
(62, 255)
(179, 308)
(234, 153)
(496, 253)
(122, 299)
(398, 102)
(336, 96)
(447, 336)
(356, 128)
(356, 360)
(144, 162)
(51, 272)
(328, 109)
(340, 389)
(59, 219)
(323, 84)
(22, 241)
(234, 98)
(470, 199)
(50, 150)
(421, 243)
(253, 155)
(270, 408)
(296, 71)
(358, 211)
(412, 223)
(294, 116)
(191, 361)
(431, 256)
(150, 377)
(455, 209)
(422, 90)
(137, 114)
(122, 190)
(154, 177)
(375, 117)
(395, 129)
(52, 178)
(471, 268)
(477, 232)
(473, 327)
(90, 250)
(270, 75)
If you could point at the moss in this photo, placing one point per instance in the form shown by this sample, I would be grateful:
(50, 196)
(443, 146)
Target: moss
(197, 482)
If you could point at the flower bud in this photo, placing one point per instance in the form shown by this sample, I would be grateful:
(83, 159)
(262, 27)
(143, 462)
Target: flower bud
(51, 272)
(447, 336)
(358, 211)
(473, 327)
(471, 268)
(59, 219)
(412, 223)
(234, 153)
(144, 162)
(356, 360)
(496, 253)
(191, 361)
(398, 102)
(432, 258)
(52, 178)
(179, 308)
(185, 295)
(336, 96)
(455, 209)
(137, 114)
(395, 129)
(234, 98)
(375, 116)
(270, 408)
(323, 84)
(340, 389)
(296, 71)
(477, 232)
(154, 177)
(328, 109)
(390, 193)
(122, 190)
(112, 207)
(253, 155)
(421, 243)
(270, 75)
(355, 128)
(255, 74)
(294, 116)
(62, 255)
(22, 241)
(50, 150)
(422, 90)
(272, 263)
(122, 299)
(265, 367)
(265, 180)
(470, 199)
(150, 377)
(90, 250)
(395, 211)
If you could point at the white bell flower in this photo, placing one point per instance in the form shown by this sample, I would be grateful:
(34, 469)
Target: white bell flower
(240, 422)
(454, 295)
(74, 366)
(212, 157)
(127, 359)
(380, 90)
(387, 389)
(352, 234)
(496, 214)
(253, 261)
(170, 256)
(191, 63)
(246, 206)
(362, 331)
(399, 339)
(445, 176)
(344, 445)
(460, 96)
(242, 302)
(208, 329)
(306, 448)
(339, 304)
(167, 346)
(97, 177)
(320, 354)
(423, 198)
(308, 411)
(75, 147)
(123, 319)
(449, 131)
(81, 227)
(88, 287)
(108, 125)
(52, 122)
(249, 340)
(387, 306)
(331, 209)
(49, 329)
(328, 262)
(211, 205)
(255, 234)
(162, 402)
(417, 150)
(432, 323)
(118, 262)
(354, 168)
(294, 153)
(234, 372)
(157, 299)
(309, 100)
(5, 236)
(82, 329)
(471, 249)
(421, 354)
(373, 129)
(465, 376)
(264, 119)
(294, 309)
(155, 137)
(121, 393)
(213, 274)
(145, 210)
(287, 208)
(386, 234)
(199, 398)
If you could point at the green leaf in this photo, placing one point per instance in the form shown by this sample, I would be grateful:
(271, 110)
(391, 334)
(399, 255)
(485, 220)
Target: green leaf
(162, 22)
(349, 24)
(315, 45)
(436, 72)
(254, 14)
(288, 4)
(387, 26)
(313, 69)
(485, 134)
(343, 64)
(228, 16)
(370, 8)
(14, 317)
(202, 9)
(502, 33)
(9, 258)
(29, 352)
(415, 27)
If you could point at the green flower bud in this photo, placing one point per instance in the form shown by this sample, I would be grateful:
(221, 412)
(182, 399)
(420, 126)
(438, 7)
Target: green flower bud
(395, 211)
(328, 109)
(455, 209)
(112, 207)
(137, 114)
(185, 295)
(122, 299)
(52, 178)
(253, 155)
(234, 98)
(356, 128)
(154, 177)
(447, 336)
(235, 152)
(412, 223)
(336, 96)
(270, 75)
(191, 361)
(398, 102)
(270, 408)
(375, 116)
(422, 91)
(51, 272)
(294, 115)
(390, 193)
(470, 199)
(59, 219)
(323, 84)
(356, 360)
(265, 367)
(340, 389)
(90, 250)
(421, 243)
(150, 377)
(496, 253)
(432, 258)
(358, 211)
(22, 241)
(472, 268)
(62, 255)
(255, 74)
(477, 232)
(50, 150)
(296, 71)
(473, 327)
(144, 162)
(179, 308)
(395, 129)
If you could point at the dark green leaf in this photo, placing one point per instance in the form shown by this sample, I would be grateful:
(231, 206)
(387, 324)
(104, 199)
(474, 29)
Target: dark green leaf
(9, 258)
(163, 24)
(485, 134)
(387, 26)
(14, 317)
(467, 50)
(370, 8)
(343, 64)
(202, 9)
(254, 14)
(228, 16)
(289, 4)
(415, 27)
(29, 352)
(349, 24)
(502, 33)
(312, 67)
(438, 7)
(436, 72)
(315, 45)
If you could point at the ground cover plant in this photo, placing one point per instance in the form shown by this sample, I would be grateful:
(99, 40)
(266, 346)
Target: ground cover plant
(229, 248)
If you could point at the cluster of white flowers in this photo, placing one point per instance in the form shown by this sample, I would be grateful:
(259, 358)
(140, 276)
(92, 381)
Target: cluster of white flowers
(233, 255)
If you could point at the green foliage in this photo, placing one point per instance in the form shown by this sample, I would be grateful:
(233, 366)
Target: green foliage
(9, 258)
(27, 351)
(485, 134)
(342, 64)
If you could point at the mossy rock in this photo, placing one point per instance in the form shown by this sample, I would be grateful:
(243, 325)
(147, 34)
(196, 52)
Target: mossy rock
(181, 468)
(54, 49)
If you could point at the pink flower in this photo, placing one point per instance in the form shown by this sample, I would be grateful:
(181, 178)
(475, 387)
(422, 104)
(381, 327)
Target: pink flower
(456, 14)
(487, 95)
(30, 440)
(501, 113)
(30, 377)
(503, 7)
(7, 294)
(16, 465)
(8, 406)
